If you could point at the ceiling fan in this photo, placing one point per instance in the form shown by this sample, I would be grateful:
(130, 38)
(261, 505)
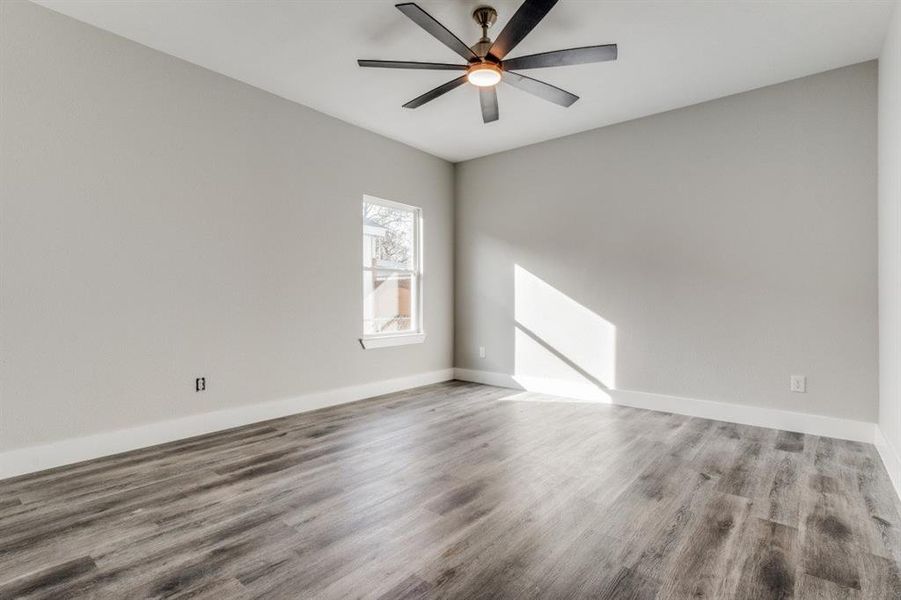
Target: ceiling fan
(486, 61)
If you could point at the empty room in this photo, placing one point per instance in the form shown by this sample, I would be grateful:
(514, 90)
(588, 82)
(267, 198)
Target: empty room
(453, 299)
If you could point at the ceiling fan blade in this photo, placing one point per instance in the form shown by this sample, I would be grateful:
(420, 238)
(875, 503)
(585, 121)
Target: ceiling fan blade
(428, 22)
(438, 91)
(488, 100)
(561, 58)
(539, 88)
(408, 64)
(524, 20)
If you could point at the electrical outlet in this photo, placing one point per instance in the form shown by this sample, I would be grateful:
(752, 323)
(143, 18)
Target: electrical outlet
(200, 384)
(481, 351)
(798, 384)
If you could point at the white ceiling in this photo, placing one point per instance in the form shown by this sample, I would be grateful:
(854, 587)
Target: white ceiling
(671, 54)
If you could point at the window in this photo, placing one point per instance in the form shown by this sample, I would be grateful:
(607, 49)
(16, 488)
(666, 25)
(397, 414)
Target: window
(392, 299)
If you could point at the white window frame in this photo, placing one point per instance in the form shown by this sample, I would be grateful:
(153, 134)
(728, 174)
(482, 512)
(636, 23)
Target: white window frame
(417, 335)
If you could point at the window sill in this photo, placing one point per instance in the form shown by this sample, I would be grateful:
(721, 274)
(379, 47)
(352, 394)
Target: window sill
(385, 341)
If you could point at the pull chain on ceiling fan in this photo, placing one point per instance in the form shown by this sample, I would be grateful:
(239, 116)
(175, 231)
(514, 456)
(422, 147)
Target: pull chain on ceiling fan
(486, 63)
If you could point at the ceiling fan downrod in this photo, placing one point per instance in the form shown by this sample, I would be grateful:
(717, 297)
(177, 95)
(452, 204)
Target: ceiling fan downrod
(485, 17)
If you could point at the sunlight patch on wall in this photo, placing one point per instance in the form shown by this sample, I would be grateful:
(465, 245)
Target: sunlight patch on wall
(561, 347)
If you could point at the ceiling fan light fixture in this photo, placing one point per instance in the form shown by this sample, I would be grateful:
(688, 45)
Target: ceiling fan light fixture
(484, 75)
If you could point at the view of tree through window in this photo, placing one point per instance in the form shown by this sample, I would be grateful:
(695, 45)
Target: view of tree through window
(390, 268)
(395, 247)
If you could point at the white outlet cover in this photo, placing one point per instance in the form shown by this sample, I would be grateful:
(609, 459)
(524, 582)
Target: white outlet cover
(798, 384)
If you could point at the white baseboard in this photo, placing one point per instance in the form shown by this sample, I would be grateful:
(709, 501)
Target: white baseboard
(891, 458)
(37, 458)
(847, 429)
(72, 450)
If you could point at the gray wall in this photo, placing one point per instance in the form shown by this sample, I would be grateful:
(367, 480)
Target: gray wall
(731, 244)
(890, 238)
(161, 222)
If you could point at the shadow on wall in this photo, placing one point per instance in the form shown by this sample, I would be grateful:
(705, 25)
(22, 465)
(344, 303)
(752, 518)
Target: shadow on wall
(560, 346)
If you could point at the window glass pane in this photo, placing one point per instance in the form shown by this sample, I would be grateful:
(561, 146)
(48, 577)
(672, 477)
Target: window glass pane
(388, 301)
(388, 237)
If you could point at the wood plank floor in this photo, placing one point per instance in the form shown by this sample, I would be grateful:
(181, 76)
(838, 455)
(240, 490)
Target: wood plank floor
(459, 490)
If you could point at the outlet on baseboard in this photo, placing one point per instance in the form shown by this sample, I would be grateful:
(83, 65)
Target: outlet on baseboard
(798, 384)
(481, 351)
(200, 384)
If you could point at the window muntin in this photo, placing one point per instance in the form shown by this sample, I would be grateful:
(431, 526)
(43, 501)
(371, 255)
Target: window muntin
(391, 268)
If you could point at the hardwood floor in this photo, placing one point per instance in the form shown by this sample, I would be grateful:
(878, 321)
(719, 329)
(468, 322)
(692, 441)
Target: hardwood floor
(459, 490)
